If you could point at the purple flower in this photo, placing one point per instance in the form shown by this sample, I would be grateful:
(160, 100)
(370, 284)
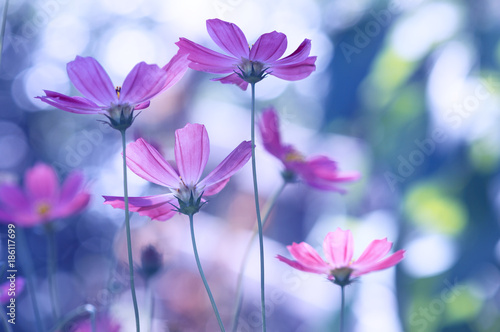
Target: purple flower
(248, 64)
(42, 199)
(7, 291)
(319, 172)
(118, 103)
(192, 148)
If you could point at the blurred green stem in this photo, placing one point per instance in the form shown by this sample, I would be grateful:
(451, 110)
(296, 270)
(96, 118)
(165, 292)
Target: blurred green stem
(129, 237)
(51, 268)
(239, 287)
(212, 301)
(257, 210)
(342, 308)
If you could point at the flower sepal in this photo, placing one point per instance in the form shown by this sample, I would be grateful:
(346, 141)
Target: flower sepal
(341, 276)
(252, 71)
(121, 117)
(191, 206)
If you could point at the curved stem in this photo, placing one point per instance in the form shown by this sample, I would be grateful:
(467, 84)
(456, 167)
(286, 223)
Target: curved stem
(239, 286)
(342, 305)
(257, 210)
(212, 301)
(129, 238)
(86, 308)
(51, 268)
(28, 265)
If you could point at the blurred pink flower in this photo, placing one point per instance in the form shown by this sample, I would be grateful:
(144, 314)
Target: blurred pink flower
(340, 268)
(102, 324)
(6, 292)
(42, 199)
(192, 149)
(118, 103)
(319, 172)
(248, 64)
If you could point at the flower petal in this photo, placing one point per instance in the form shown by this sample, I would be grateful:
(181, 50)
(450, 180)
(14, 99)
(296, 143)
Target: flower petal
(88, 76)
(299, 55)
(270, 133)
(176, 68)
(192, 148)
(41, 183)
(142, 83)
(144, 160)
(13, 199)
(295, 71)
(299, 266)
(381, 265)
(204, 59)
(230, 165)
(374, 252)
(229, 37)
(308, 257)
(338, 247)
(269, 47)
(215, 188)
(233, 79)
(79, 105)
(156, 207)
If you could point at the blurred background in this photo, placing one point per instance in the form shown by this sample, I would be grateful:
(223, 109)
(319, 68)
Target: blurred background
(405, 92)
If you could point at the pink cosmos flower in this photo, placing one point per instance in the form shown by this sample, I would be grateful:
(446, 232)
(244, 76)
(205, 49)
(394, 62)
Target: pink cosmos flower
(118, 103)
(319, 172)
(192, 149)
(7, 292)
(248, 64)
(339, 267)
(42, 200)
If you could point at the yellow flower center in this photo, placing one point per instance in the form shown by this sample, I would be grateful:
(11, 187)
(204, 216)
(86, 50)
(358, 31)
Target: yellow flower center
(43, 209)
(294, 156)
(118, 89)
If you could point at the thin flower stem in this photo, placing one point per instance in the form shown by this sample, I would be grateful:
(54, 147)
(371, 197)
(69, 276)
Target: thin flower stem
(342, 307)
(212, 301)
(129, 238)
(51, 268)
(28, 265)
(150, 297)
(5, 323)
(257, 210)
(83, 309)
(239, 286)
(2, 31)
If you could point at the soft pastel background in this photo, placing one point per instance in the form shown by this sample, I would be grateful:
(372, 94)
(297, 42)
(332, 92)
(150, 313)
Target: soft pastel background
(406, 92)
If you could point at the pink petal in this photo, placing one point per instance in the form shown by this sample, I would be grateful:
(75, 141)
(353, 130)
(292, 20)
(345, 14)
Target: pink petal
(73, 199)
(338, 247)
(215, 188)
(308, 257)
(230, 165)
(381, 265)
(270, 133)
(233, 79)
(228, 37)
(176, 68)
(15, 206)
(41, 183)
(79, 202)
(296, 71)
(144, 160)
(4, 289)
(299, 266)
(156, 207)
(142, 105)
(204, 59)
(142, 83)
(91, 80)
(269, 47)
(192, 148)
(299, 55)
(71, 104)
(374, 252)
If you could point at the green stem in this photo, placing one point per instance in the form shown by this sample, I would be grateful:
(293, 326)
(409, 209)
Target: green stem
(257, 209)
(51, 268)
(129, 238)
(5, 323)
(212, 301)
(2, 31)
(83, 309)
(239, 286)
(28, 265)
(151, 298)
(342, 305)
